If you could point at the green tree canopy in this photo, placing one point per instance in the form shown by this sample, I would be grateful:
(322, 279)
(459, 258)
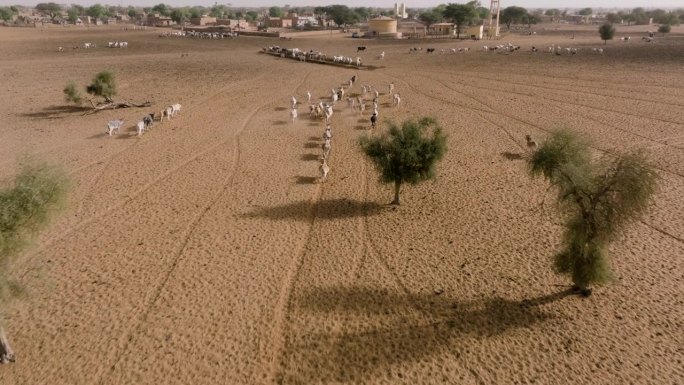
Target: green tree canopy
(607, 31)
(665, 28)
(461, 15)
(6, 13)
(25, 209)
(586, 12)
(97, 11)
(431, 17)
(362, 13)
(221, 11)
(598, 198)
(406, 154)
(52, 10)
(552, 12)
(513, 15)
(162, 9)
(103, 85)
(251, 15)
(180, 15)
(275, 12)
(340, 14)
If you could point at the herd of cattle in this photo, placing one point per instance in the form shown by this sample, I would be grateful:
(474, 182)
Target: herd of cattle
(114, 126)
(201, 34)
(88, 45)
(324, 109)
(311, 55)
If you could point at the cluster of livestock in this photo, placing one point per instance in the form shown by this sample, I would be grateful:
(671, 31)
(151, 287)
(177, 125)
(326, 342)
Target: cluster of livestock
(323, 109)
(144, 124)
(117, 44)
(201, 35)
(442, 51)
(88, 45)
(311, 55)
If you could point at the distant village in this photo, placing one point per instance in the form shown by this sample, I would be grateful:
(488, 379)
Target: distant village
(396, 22)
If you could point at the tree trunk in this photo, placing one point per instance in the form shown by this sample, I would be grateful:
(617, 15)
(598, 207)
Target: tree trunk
(115, 105)
(6, 353)
(397, 186)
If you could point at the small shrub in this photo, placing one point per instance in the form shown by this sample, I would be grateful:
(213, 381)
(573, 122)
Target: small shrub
(103, 85)
(71, 94)
(665, 28)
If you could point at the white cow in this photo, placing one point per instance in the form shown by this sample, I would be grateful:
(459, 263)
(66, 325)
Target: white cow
(293, 114)
(114, 125)
(140, 127)
(175, 109)
(323, 170)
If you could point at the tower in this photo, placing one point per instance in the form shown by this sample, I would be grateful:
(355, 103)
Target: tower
(493, 31)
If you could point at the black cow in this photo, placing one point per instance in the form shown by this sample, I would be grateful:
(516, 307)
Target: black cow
(430, 50)
(361, 48)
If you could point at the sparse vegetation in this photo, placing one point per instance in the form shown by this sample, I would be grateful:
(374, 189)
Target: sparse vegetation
(406, 154)
(607, 31)
(599, 198)
(665, 28)
(25, 208)
(71, 94)
(103, 85)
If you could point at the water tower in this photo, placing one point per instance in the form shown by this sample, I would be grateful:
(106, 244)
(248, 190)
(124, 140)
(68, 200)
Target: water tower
(493, 31)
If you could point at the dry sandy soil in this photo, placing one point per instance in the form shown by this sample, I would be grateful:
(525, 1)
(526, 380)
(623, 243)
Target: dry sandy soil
(202, 253)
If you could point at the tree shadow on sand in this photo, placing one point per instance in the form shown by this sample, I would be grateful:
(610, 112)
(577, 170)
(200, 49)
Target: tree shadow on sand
(512, 155)
(353, 357)
(56, 112)
(324, 209)
(310, 157)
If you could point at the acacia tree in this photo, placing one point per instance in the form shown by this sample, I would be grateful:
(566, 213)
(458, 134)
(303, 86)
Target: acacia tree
(406, 154)
(52, 10)
(598, 198)
(460, 14)
(512, 15)
(103, 85)
(431, 17)
(607, 31)
(38, 191)
(665, 28)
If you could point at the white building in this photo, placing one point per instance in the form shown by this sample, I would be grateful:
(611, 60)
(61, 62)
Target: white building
(400, 11)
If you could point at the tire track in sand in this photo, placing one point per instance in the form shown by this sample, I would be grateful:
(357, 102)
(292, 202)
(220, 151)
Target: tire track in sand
(284, 302)
(127, 199)
(225, 184)
(512, 138)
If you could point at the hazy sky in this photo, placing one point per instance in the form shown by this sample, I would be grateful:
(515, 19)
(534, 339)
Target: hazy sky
(381, 3)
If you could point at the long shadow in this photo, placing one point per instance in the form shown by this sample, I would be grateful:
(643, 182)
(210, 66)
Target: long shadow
(310, 157)
(306, 180)
(97, 136)
(55, 112)
(314, 138)
(512, 155)
(279, 123)
(312, 145)
(325, 209)
(360, 127)
(354, 357)
(280, 109)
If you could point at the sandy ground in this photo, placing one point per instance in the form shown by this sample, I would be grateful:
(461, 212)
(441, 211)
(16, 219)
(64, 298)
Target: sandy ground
(202, 253)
